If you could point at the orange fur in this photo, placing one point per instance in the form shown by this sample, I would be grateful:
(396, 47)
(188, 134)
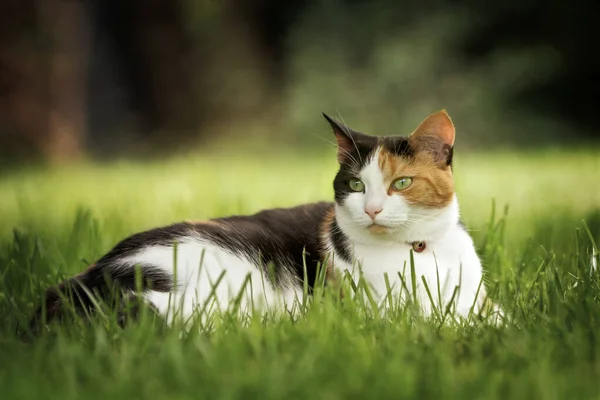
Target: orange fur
(435, 135)
(439, 126)
(432, 186)
(331, 276)
(326, 224)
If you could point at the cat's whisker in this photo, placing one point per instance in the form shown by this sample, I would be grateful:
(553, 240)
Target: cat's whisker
(351, 136)
(338, 148)
(333, 144)
(351, 157)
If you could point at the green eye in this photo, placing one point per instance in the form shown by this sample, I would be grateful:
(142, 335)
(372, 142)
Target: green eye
(356, 185)
(402, 183)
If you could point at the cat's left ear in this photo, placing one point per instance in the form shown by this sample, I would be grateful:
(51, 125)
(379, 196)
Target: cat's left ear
(436, 136)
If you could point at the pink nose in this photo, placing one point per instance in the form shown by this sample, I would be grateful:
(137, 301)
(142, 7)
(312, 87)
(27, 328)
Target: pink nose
(372, 212)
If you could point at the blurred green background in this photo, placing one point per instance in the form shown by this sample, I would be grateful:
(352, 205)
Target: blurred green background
(108, 79)
(118, 116)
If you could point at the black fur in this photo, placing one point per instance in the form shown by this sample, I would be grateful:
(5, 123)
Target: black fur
(109, 276)
(271, 237)
(340, 242)
(450, 153)
(107, 279)
(356, 154)
(277, 237)
(397, 145)
(359, 146)
(164, 236)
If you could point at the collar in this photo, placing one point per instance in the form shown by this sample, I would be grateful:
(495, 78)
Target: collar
(418, 247)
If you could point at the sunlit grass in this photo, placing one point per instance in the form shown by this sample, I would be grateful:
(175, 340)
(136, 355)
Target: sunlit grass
(538, 258)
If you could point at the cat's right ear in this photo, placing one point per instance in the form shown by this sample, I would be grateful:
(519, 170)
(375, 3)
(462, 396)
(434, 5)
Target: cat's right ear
(344, 137)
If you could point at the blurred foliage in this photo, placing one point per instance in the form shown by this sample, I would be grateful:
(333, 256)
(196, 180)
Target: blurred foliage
(107, 78)
(386, 78)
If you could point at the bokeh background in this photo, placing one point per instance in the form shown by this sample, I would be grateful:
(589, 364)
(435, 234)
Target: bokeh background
(106, 79)
(118, 116)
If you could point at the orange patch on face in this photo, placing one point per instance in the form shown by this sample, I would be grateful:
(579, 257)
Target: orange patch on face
(432, 185)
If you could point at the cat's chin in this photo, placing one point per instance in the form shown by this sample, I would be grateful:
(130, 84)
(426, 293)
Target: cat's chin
(379, 230)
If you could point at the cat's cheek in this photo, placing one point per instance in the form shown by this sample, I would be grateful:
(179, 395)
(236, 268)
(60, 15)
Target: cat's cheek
(395, 212)
(354, 206)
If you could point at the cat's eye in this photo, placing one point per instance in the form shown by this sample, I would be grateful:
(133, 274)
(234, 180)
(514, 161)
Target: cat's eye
(356, 185)
(402, 183)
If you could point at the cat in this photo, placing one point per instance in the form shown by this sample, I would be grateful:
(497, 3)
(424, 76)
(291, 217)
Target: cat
(394, 197)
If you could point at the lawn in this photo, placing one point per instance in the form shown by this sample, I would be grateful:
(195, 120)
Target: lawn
(532, 215)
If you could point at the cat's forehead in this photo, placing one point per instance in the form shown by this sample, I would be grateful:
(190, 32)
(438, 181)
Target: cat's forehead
(367, 148)
(394, 156)
(398, 146)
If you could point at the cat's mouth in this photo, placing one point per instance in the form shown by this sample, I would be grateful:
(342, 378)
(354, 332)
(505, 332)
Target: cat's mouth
(378, 229)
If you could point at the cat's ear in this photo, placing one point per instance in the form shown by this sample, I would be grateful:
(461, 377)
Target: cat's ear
(436, 136)
(344, 136)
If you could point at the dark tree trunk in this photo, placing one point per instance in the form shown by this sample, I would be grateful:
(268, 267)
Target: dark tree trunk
(43, 52)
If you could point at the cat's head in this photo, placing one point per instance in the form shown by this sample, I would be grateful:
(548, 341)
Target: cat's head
(393, 188)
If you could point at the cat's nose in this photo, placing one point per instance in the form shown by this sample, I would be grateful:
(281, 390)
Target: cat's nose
(372, 211)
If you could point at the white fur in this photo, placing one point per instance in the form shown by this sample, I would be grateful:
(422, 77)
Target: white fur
(449, 256)
(198, 268)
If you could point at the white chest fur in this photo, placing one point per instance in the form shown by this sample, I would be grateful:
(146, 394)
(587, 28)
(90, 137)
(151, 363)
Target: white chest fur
(447, 263)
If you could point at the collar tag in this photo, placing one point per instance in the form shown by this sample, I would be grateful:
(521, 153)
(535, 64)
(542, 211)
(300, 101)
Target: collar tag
(418, 247)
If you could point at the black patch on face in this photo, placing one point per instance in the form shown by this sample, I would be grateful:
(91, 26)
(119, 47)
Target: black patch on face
(340, 184)
(353, 163)
(355, 150)
(363, 148)
(340, 242)
(400, 146)
(397, 145)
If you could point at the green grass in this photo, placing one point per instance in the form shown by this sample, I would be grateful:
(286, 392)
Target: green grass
(56, 221)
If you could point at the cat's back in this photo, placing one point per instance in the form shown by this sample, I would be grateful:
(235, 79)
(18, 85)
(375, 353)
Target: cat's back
(273, 228)
(227, 250)
(289, 236)
(299, 223)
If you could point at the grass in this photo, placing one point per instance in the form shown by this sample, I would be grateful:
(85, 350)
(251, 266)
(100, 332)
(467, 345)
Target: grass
(54, 222)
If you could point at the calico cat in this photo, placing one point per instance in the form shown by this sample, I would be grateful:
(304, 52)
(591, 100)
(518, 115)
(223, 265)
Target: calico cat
(393, 196)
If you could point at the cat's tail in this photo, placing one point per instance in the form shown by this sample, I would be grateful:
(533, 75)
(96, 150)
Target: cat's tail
(118, 275)
(101, 282)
